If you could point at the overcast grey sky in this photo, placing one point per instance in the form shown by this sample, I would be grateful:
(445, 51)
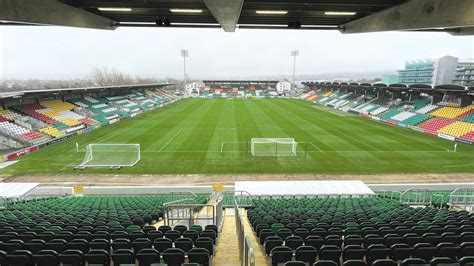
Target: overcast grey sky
(60, 52)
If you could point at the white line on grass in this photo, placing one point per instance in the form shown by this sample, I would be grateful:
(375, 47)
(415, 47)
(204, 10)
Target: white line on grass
(460, 165)
(319, 151)
(312, 144)
(169, 141)
(225, 142)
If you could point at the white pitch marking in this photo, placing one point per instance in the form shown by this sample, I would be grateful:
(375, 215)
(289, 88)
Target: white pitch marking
(169, 141)
(460, 165)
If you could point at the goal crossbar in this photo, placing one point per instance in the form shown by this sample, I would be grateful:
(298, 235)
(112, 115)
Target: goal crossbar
(273, 147)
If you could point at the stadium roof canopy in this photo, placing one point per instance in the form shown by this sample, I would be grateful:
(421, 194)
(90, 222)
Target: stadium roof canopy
(14, 190)
(19, 94)
(398, 87)
(348, 16)
(240, 81)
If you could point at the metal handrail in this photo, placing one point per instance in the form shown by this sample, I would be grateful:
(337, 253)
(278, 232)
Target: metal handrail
(246, 250)
(461, 196)
(420, 200)
(187, 211)
(181, 193)
(240, 194)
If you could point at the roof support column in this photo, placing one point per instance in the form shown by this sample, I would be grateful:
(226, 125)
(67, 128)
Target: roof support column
(226, 12)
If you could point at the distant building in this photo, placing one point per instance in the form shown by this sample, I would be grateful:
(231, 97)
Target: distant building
(431, 71)
(194, 87)
(389, 79)
(283, 86)
(464, 75)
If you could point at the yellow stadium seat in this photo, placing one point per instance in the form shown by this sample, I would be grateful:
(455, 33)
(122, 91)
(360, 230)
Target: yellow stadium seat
(457, 129)
(451, 112)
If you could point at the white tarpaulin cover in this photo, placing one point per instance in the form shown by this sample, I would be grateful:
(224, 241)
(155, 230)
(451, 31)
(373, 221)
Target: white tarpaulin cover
(349, 187)
(12, 190)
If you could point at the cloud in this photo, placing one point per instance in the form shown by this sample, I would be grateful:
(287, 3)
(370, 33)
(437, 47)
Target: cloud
(60, 52)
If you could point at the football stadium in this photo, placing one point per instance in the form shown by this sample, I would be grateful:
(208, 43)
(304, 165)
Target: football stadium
(242, 172)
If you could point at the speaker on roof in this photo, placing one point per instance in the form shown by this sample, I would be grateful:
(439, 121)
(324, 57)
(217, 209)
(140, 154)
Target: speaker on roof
(167, 22)
(159, 22)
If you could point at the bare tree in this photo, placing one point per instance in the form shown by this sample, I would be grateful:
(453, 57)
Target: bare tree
(110, 77)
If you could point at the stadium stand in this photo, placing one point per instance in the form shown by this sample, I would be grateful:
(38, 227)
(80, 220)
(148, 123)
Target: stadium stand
(426, 109)
(416, 119)
(469, 117)
(419, 114)
(434, 124)
(52, 131)
(98, 230)
(452, 112)
(378, 111)
(403, 116)
(418, 104)
(20, 133)
(372, 230)
(61, 111)
(31, 110)
(24, 123)
(389, 114)
(469, 136)
(457, 129)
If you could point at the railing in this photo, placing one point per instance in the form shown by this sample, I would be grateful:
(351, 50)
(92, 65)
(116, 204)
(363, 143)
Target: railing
(391, 193)
(242, 198)
(246, 250)
(416, 197)
(219, 214)
(186, 212)
(176, 195)
(461, 197)
(3, 203)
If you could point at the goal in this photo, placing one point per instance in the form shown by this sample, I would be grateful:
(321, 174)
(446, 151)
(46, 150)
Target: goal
(111, 155)
(273, 147)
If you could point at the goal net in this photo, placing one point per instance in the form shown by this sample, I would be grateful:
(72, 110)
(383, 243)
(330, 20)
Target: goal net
(111, 155)
(273, 147)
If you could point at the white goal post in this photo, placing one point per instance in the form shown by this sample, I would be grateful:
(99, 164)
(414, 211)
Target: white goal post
(111, 155)
(273, 147)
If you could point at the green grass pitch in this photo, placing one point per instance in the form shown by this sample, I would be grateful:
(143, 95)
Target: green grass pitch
(211, 136)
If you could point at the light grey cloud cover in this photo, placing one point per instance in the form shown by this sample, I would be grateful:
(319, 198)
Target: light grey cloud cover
(60, 52)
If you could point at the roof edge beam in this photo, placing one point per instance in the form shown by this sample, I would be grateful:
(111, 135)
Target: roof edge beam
(51, 12)
(226, 12)
(416, 15)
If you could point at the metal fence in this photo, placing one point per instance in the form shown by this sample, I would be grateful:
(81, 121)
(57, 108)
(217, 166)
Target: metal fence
(243, 198)
(186, 212)
(416, 197)
(390, 194)
(462, 197)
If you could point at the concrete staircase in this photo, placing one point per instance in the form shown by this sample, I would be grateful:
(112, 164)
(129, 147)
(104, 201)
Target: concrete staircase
(227, 250)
